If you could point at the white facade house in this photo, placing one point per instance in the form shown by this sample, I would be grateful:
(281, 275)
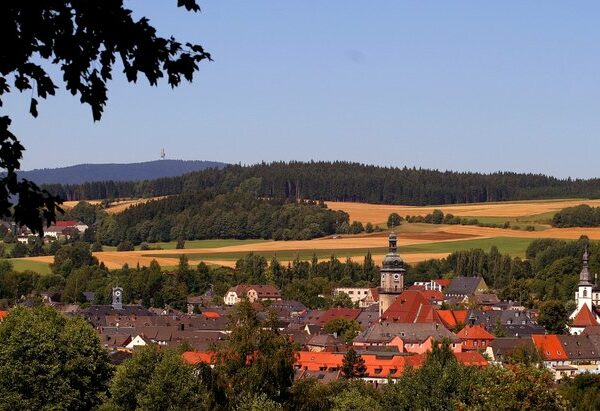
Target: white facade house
(361, 296)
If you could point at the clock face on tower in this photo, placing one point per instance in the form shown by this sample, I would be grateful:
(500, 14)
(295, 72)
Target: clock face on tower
(117, 293)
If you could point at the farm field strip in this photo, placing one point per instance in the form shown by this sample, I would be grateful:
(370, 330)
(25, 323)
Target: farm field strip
(378, 213)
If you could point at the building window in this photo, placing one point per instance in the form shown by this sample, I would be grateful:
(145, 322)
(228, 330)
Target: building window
(584, 293)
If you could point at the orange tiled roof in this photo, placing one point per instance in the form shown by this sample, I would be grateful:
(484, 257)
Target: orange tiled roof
(451, 318)
(197, 357)
(376, 366)
(584, 317)
(550, 347)
(474, 332)
(471, 358)
(3, 314)
(211, 314)
(333, 313)
(411, 307)
(443, 282)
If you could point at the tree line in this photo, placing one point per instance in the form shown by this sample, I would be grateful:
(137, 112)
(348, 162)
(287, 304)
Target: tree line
(579, 216)
(207, 214)
(345, 181)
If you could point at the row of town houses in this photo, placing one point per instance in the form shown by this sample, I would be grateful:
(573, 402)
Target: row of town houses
(398, 326)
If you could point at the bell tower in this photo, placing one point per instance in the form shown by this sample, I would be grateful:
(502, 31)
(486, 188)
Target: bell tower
(392, 276)
(117, 298)
(584, 293)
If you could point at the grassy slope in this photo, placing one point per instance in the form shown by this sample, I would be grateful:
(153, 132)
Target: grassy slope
(20, 264)
(508, 245)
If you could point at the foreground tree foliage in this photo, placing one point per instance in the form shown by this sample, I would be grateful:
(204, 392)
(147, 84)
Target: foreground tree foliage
(83, 40)
(48, 361)
(257, 359)
(441, 383)
(155, 379)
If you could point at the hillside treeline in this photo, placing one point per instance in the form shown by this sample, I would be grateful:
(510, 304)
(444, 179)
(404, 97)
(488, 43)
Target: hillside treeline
(579, 216)
(208, 214)
(344, 181)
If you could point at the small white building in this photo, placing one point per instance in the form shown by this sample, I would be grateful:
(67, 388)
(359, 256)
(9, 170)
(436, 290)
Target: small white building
(361, 296)
(251, 292)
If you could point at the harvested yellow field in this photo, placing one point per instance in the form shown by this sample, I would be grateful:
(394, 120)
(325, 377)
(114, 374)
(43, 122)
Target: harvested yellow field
(115, 207)
(378, 213)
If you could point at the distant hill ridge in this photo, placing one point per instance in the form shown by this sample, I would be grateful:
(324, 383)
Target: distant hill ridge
(149, 170)
(346, 181)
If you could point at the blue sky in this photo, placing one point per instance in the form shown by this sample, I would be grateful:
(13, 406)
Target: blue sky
(461, 85)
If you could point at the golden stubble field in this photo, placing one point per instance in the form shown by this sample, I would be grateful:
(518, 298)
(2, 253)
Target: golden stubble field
(378, 213)
(408, 234)
(115, 207)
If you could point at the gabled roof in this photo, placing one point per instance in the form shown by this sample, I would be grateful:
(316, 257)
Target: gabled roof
(474, 332)
(463, 286)
(197, 357)
(550, 346)
(411, 307)
(452, 318)
(584, 317)
(262, 291)
(579, 347)
(384, 332)
(442, 281)
(333, 313)
(473, 358)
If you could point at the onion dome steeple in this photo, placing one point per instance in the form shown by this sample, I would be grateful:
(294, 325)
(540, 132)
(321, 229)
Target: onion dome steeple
(392, 260)
(584, 276)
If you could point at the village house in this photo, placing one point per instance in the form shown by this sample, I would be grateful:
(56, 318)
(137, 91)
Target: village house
(466, 287)
(61, 228)
(252, 292)
(360, 296)
(415, 338)
(475, 337)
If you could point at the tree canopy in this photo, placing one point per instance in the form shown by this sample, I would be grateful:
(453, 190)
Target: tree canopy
(48, 361)
(85, 41)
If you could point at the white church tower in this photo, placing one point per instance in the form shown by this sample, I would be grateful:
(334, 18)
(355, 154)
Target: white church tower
(583, 296)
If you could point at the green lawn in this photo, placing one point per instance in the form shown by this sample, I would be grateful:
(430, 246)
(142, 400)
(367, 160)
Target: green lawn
(20, 264)
(508, 245)
(201, 244)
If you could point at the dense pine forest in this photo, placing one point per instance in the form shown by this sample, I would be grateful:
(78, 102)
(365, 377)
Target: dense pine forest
(209, 213)
(344, 181)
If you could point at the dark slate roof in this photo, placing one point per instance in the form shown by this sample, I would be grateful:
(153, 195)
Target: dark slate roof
(463, 286)
(579, 347)
(501, 346)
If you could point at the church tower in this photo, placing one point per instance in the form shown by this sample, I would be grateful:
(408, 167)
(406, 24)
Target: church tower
(584, 292)
(392, 276)
(117, 298)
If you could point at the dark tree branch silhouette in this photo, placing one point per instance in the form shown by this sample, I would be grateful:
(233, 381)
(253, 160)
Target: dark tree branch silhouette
(83, 39)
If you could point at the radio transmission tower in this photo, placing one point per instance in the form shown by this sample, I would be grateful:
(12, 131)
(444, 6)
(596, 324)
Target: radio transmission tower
(162, 153)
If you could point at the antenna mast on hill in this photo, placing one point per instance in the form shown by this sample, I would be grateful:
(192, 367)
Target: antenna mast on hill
(162, 153)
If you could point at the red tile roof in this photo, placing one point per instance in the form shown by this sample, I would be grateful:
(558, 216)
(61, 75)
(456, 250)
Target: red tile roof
(197, 357)
(3, 314)
(550, 347)
(211, 314)
(443, 282)
(471, 358)
(375, 293)
(411, 307)
(584, 317)
(474, 332)
(333, 313)
(65, 224)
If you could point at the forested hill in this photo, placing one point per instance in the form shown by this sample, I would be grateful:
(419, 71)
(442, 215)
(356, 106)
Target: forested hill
(149, 170)
(343, 181)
